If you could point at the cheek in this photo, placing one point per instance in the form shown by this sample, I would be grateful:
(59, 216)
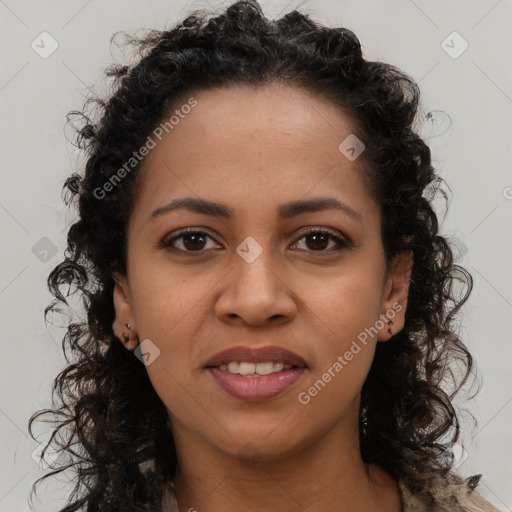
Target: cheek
(165, 298)
(172, 320)
(170, 311)
(345, 312)
(345, 305)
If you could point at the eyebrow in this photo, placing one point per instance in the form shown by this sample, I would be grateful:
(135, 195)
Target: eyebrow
(285, 211)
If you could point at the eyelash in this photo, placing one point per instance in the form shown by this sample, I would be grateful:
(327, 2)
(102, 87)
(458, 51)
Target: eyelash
(167, 242)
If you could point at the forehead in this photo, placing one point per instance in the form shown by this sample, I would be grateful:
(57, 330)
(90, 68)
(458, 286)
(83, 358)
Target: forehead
(274, 142)
(259, 114)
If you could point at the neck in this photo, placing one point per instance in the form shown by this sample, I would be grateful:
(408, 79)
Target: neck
(327, 475)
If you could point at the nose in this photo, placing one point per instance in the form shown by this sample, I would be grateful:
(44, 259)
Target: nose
(256, 294)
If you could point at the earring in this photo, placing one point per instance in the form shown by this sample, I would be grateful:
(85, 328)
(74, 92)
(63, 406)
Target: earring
(125, 334)
(389, 328)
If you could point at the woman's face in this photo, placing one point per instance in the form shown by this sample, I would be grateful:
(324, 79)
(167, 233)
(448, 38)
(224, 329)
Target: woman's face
(253, 277)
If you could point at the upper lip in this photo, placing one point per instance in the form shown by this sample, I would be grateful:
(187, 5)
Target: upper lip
(256, 355)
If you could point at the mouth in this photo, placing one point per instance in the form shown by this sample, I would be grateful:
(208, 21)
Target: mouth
(260, 357)
(256, 374)
(250, 369)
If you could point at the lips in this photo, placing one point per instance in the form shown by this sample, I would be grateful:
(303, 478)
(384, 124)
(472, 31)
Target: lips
(256, 355)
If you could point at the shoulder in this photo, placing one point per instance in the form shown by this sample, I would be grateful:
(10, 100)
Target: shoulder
(443, 497)
(446, 497)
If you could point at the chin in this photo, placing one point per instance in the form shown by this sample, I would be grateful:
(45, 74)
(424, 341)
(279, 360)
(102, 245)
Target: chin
(265, 440)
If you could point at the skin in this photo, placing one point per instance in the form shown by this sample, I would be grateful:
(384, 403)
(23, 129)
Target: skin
(254, 149)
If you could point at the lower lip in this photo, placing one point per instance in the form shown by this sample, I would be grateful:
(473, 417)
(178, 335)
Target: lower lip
(255, 389)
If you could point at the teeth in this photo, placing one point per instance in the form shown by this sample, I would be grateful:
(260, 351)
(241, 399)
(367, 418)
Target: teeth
(246, 368)
(278, 367)
(265, 368)
(252, 369)
(233, 367)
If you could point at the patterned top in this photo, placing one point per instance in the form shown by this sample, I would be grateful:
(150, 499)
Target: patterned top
(447, 498)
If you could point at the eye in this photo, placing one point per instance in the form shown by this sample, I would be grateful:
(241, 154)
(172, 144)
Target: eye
(320, 238)
(194, 241)
(191, 241)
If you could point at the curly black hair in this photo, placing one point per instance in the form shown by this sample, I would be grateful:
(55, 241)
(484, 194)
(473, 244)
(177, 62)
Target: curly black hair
(109, 419)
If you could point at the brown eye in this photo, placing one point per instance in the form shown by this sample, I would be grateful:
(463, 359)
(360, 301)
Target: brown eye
(318, 241)
(191, 241)
(194, 241)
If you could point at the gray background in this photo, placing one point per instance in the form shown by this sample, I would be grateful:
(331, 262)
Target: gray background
(473, 155)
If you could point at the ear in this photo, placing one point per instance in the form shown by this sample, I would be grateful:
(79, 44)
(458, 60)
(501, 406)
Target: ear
(124, 326)
(395, 295)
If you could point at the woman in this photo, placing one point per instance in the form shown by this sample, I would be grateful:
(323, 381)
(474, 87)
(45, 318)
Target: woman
(270, 306)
